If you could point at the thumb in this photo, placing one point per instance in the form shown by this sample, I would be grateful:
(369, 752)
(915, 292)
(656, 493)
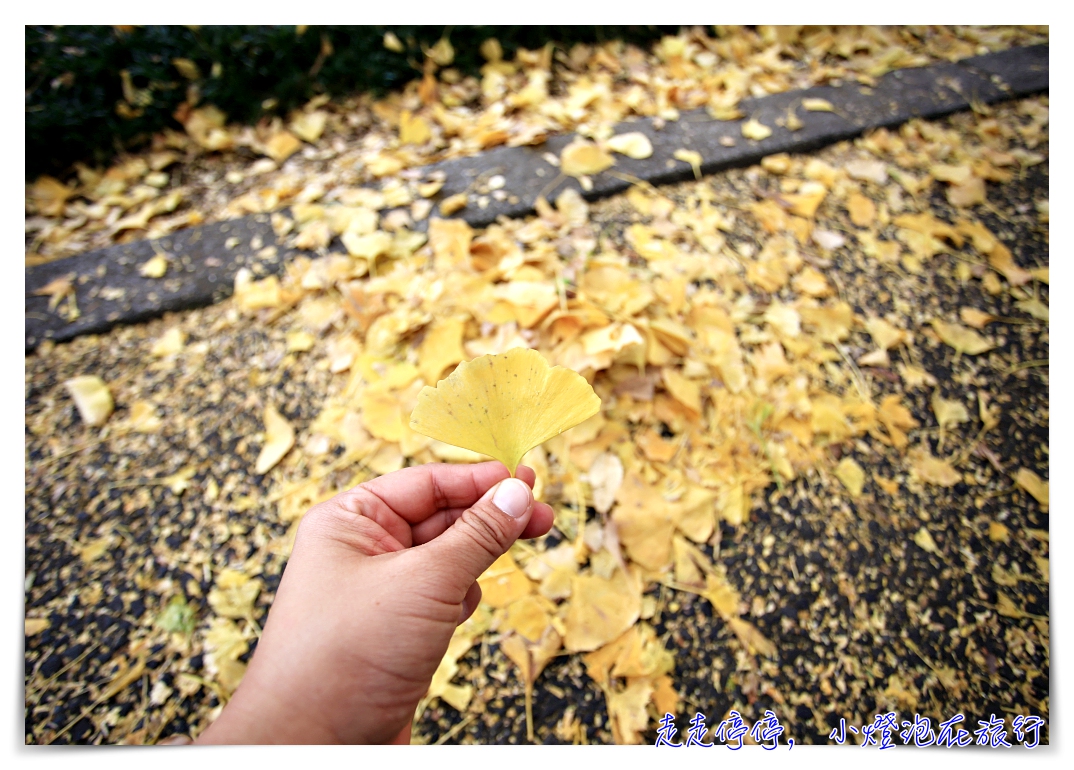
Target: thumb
(481, 535)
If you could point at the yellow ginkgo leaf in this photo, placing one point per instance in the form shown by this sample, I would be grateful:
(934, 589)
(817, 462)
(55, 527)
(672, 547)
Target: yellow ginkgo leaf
(504, 405)
(693, 157)
(634, 145)
(756, 130)
(960, 338)
(279, 438)
(817, 105)
(580, 158)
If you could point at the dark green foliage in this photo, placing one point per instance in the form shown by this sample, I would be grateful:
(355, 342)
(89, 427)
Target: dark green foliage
(73, 80)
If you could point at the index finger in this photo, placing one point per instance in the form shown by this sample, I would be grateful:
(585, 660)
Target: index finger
(417, 492)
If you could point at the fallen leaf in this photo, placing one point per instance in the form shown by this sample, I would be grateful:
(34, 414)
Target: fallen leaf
(634, 145)
(49, 195)
(693, 157)
(932, 470)
(582, 158)
(924, 540)
(413, 129)
(1034, 307)
(504, 405)
(309, 125)
(92, 398)
(225, 644)
(862, 210)
(169, 343)
(279, 438)
(948, 412)
(754, 129)
(600, 610)
(978, 319)
(962, 339)
(453, 203)
(34, 626)
(1034, 485)
(852, 476)
(282, 145)
(605, 478)
(233, 594)
(155, 267)
(817, 105)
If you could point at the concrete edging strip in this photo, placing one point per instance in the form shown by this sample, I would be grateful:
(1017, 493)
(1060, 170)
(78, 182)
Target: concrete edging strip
(110, 290)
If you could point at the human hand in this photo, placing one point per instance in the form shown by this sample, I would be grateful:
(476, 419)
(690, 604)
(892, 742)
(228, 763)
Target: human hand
(378, 579)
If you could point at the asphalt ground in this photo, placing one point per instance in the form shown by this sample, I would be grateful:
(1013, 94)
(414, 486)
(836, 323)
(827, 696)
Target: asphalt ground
(863, 618)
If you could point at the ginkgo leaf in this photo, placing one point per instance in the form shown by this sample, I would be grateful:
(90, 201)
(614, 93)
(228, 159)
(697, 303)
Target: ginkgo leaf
(92, 397)
(756, 130)
(279, 438)
(504, 405)
(817, 105)
(634, 145)
(693, 157)
(580, 158)
(960, 338)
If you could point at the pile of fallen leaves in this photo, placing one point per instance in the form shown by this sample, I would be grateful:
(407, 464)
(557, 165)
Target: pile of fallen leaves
(213, 170)
(722, 367)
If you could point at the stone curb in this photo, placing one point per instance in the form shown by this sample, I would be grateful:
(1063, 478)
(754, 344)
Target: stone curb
(203, 261)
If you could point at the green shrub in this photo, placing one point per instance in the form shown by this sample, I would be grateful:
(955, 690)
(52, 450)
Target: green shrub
(78, 97)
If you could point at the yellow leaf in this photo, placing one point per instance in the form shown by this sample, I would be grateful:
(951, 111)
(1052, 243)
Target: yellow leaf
(600, 610)
(504, 405)
(224, 644)
(504, 583)
(381, 414)
(752, 639)
(978, 319)
(805, 202)
(1034, 485)
(234, 594)
(862, 210)
(645, 523)
(413, 129)
(1034, 307)
(581, 158)
(693, 157)
(528, 617)
(453, 203)
(924, 540)
(92, 398)
(309, 125)
(393, 43)
(179, 481)
(932, 470)
(187, 68)
(49, 195)
(817, 105)
(144, 418)
(754, 129)
(282, 146)
(169, 343)
(34, 626)
(962, 339)
(852, 476)
(441, 348)
(442, 53)
(686, 392)
(634, 145)
(155, 267)
(948, 412)
(279, 438)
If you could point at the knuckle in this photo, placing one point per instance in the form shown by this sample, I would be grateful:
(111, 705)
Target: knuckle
(487, 535)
